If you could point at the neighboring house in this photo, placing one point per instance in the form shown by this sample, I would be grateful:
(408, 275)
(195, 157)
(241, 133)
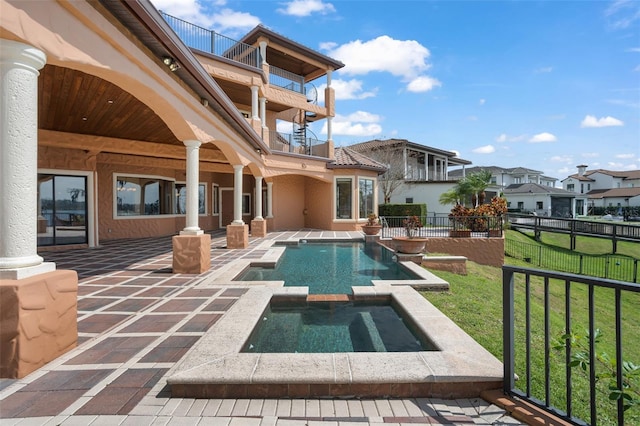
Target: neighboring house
(606, 188)
(502, 177)
(543, 200)
(425, 174)
(113, 127)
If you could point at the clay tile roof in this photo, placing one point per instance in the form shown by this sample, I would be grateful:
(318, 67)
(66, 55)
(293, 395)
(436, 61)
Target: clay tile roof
(348, 158)
(614, 193)
(534, 188)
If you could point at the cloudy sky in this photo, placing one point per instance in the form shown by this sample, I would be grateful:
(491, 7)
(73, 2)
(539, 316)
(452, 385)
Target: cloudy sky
(546, 85)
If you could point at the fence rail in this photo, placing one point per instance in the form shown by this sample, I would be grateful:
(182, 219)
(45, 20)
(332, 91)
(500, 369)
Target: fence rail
(443, 226)
(604, 266)
(530, 298)
(287, 142)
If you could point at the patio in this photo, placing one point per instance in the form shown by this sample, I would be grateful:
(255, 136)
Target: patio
(136, 320)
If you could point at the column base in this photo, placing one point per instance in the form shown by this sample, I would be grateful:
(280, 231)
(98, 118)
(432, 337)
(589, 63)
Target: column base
(191, 254)
(237, 236)
(38, 322)
(259, 228)
(26, 272)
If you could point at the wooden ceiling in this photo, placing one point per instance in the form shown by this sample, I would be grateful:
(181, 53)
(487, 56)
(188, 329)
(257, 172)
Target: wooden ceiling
(75, 102)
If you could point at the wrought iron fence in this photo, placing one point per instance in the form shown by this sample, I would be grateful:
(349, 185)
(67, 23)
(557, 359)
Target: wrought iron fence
(285, 79)
(604, 266)
(287, 142)
(543, 313)
(444, 226)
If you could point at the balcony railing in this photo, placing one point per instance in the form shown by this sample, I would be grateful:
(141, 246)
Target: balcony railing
(548, 318)
(285, 142)
(443, 226)
(211, 42)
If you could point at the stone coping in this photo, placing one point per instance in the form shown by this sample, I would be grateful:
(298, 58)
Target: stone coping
(214, 366)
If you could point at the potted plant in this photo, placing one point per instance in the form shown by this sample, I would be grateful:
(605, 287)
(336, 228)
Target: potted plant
(410, 243)
(459, 218)
(372, 227)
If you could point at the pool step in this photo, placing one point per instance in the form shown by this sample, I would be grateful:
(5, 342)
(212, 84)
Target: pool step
(372, 331)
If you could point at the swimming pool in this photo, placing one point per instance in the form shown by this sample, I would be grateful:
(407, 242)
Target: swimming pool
(331, 268)
(331, 327)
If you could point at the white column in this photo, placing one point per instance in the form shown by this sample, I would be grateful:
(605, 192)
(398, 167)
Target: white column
(263, 111)
(193, 180)
(329, 128)
(237, 195)
(254, 103)
(258, 197)
(269, 200)
(263, 52)
(19, 65)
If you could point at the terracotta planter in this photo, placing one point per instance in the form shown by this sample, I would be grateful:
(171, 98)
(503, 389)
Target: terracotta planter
(409, 245)
(460, 233)
(371, 229)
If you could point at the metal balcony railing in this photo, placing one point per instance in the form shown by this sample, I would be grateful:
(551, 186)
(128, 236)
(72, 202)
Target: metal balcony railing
(285, 142)
(443, 226)
(548, 318)
(209, 41)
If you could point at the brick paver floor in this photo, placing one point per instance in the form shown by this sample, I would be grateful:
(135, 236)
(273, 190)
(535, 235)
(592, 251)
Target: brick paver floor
(136, 319)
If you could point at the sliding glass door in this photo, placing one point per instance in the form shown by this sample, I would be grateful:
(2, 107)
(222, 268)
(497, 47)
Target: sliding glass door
(62, 210)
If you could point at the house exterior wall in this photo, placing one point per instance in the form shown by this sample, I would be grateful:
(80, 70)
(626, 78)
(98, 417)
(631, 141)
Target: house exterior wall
(424, 193)
(530, 203)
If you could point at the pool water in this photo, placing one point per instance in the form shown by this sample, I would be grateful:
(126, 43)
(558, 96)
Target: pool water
(331, 268)
(329, 327)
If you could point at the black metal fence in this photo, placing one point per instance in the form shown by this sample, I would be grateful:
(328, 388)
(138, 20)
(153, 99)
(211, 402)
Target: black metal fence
(603, 266)
(542, 308)
(444, 226)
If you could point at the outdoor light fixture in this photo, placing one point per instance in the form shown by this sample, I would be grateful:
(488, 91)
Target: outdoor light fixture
(171, 63)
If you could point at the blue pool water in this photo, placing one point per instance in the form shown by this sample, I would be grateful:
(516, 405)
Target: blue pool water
(331, 268)
(329, 327)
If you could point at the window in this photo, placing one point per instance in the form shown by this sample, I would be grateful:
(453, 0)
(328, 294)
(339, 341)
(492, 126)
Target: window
(570, 187)
(343, 198)
(246, 204)
(215, 199)
(517, 180)
(539, 205)
(521, 205)
(408, 200)
(494, 180)
(141, 196)
(582, 188)
(181, 198)
(366, 194)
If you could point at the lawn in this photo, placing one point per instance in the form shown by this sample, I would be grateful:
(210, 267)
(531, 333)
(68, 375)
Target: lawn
(475, 304)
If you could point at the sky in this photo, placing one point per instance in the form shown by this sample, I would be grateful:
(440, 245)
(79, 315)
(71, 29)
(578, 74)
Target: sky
(546, 85)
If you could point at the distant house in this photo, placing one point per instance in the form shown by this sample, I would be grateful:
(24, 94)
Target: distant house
(543, 200)
(426, 171)
(502, 177)
(605, 188)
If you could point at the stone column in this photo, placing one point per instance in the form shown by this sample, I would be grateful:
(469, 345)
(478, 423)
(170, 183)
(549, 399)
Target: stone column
(263, 52)
(254, 103)
(258, 224)
(19, 65)
(192, 247)
(263, 111)
(237, 231)
(269, 200)
(193, 180)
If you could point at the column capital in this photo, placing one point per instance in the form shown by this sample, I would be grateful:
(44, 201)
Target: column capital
(22, 55)
(192, 143)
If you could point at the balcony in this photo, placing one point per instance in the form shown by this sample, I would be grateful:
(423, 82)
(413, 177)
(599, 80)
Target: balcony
(210, 42)
(296, 144)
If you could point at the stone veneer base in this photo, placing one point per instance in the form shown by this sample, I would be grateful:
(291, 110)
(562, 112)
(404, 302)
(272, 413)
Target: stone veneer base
(191, 253)
(38, 321)
(237, 236)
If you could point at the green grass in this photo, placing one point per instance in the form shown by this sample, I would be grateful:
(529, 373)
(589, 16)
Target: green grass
(475, 304)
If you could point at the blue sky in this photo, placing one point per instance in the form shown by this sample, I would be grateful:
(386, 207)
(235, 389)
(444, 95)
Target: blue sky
(546, 85)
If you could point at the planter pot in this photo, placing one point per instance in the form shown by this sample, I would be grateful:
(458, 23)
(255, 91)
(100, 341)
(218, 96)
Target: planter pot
(371, 229)
(461, 233)
(409, 245)
(495, 232)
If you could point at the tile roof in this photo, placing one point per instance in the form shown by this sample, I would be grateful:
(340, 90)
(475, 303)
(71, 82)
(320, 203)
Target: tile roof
(614, 193)
(534, 188)
(348, 158)
(627, 174)
(497, 170)
(383, 143)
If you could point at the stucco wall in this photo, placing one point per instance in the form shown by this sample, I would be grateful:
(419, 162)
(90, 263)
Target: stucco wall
(38, 321)
(288, 202)
(318, 204)
(485, 251)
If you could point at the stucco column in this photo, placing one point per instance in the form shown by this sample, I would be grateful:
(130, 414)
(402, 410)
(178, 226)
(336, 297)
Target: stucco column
(269, 200)
(19, 65)
(193, 178)
(237, 194)
(258, 198)
(254, 103)
(263, 111)
(263, 52)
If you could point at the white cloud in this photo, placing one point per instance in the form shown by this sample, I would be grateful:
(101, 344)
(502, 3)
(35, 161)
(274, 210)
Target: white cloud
(562, 159)
(621, 14)
(564, 170)
(543, 137)
(637, 69)
(543, 70)
(306, 8)
(621, 166)
(347, 89)
(625, 156)
(406, 59)
(472, 118)
(592, 121)
(422, 83)
(455, 152)
(487, 149)
(590, 154)
(633, 49)
(506, 138)
(224, 20)
(359, 123)
(482, 101)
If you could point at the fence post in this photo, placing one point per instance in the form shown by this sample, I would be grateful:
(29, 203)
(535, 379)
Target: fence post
(635, 270)
(508, 331)
(581, 260)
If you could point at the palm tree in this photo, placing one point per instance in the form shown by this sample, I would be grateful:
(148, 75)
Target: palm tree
(478, 182)
(457, 194)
